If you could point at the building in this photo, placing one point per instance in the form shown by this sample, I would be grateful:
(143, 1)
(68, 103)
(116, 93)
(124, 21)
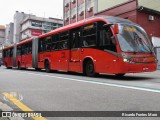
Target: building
(35, 26)
(76, 10)
(2, 34)
(28, 25)
(18, 18)
(143, 12)
(9, 33)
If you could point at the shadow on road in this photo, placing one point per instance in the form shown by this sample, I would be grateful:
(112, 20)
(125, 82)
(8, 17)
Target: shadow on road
(127, 77)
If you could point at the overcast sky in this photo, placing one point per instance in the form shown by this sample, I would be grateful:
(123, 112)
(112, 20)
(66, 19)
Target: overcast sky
(40, 8)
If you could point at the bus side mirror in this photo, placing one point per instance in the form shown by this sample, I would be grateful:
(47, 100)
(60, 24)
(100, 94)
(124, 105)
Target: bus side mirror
(116, 29)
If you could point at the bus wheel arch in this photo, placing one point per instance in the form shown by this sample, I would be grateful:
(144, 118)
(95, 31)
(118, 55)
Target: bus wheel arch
(47, 66)
(89, 67)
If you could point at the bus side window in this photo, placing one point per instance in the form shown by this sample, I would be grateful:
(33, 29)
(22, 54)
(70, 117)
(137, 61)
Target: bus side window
(105, 37)
(106, 40)
(41, 45)
(7, 53)
(26, 49)
(54, 42)
(89, 35)
(4, 53)
(23, 49)
(18, 50)
(75, 38)
(73, 43)
(30, 48)
(63, 42)
(85, 44)
(54, 46)
(11, 52)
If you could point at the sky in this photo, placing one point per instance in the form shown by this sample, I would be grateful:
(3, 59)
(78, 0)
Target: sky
(40, 8)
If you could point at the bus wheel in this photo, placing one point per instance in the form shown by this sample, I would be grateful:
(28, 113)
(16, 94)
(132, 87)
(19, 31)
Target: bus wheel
(89, 68)
(37, 69)
(47, 67)
(7, 66)
(19, 66)
(120, 75)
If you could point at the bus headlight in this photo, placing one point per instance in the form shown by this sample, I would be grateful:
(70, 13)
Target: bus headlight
(125, 60)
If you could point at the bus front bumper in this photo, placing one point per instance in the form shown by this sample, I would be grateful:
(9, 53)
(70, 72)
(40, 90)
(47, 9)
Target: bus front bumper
(137, 67)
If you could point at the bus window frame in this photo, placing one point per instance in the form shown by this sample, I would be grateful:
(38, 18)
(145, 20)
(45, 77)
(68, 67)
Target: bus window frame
(19, 50)
(64, 42)
(84, 42)
(75, 42)
(102, 30)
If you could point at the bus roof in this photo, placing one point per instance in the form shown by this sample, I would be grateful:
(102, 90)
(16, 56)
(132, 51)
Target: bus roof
(107, 19)
(74, 25)
(25, 41)
(11, 46)
(114, 20)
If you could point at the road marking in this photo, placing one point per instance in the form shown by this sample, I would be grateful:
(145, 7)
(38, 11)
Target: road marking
(21, 105)
(155, 90)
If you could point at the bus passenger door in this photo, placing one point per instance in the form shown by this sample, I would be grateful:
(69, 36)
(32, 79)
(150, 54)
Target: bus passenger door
(63, 50)
(74, 64)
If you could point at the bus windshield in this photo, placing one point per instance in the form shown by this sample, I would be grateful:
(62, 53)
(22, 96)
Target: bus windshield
(133, 38)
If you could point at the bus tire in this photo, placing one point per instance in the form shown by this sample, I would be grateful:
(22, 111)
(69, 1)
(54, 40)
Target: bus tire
(120, 75)
(37, 69)
(19, 66)
(47, 66)
(7, 66)
(89, 68)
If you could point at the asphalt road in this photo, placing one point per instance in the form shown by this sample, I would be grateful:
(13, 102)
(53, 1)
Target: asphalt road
(61, 91)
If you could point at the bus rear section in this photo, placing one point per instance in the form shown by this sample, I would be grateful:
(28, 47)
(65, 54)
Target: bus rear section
(7, 57)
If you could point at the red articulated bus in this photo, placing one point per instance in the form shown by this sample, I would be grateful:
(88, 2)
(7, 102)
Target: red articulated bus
(100, 44)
